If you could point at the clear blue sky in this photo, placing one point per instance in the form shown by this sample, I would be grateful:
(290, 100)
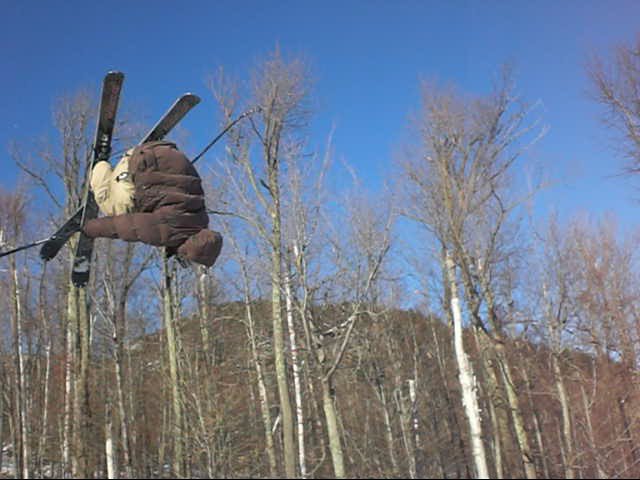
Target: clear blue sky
(367, 56)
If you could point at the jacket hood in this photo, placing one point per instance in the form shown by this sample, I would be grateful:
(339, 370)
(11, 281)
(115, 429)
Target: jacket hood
(203, 247)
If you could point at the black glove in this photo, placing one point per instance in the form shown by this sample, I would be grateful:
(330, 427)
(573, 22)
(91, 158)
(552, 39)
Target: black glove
(51, 248)
(171, 251)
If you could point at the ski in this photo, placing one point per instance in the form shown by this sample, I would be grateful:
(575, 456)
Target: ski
(56, 241)
(170, 119)
(111, 87)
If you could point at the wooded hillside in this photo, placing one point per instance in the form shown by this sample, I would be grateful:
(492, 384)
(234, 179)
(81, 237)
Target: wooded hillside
(431, 330)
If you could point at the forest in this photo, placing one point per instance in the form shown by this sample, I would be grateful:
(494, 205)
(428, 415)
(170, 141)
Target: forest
(429, 329)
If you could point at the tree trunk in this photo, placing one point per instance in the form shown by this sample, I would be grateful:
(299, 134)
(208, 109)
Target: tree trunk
(632, 453)
(23, 455)
(81, 393)
(118, 340)
(405, 421)
(319, 428)
(466, 376)
(563, 453)
(415, 427)
(382, 396)
(162, 444)
(453, 425)
(496, 349)
(278, 326)
(42, 443)
(264, 399)
(496, 402)
(172, 349)
(567, 435)
(44, 429)
(567, 449)
(112, 468)
(536, 425)
(296, 378)
(497, 437)
(15, 438)
(70, 359)
(203, 306)
(590, 434)
(516, 415)
(333, 431)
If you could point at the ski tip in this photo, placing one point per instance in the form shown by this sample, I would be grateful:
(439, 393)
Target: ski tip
(193, 98)
(80, 277)
(80, 283)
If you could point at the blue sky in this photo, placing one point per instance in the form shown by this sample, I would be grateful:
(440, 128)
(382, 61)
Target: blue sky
(367, 57)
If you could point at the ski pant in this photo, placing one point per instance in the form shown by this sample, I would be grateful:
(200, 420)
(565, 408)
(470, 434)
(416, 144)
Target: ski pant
(112, 187)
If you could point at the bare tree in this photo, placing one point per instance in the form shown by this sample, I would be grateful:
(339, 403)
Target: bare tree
(279, 88)
(12, 221)
(616, 85)
(459, 188)
(556, 290)
(254, 341)
(358, 258)
(73, 116)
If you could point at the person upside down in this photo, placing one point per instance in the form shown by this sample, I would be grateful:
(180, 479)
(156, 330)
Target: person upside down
(154, 195)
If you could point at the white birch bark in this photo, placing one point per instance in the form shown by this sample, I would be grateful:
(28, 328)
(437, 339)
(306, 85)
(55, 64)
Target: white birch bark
(296, 377)
(112, 470)
(124, 426)
(466, 376)
(405, 419)
(45, 404)
(415, 425)
(203, 303)
(68, 374)
(21, 390)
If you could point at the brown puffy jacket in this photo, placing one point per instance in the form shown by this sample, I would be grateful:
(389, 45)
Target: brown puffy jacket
(169, 206)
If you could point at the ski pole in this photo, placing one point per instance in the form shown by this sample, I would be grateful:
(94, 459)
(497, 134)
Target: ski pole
(225, 130)
(24, 247)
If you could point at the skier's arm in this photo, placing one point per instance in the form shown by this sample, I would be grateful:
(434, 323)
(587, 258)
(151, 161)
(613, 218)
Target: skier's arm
(148, 228)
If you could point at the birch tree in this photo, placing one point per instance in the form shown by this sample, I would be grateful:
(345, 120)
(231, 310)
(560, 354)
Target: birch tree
(11, 224)
(73, 117)
(459, 186)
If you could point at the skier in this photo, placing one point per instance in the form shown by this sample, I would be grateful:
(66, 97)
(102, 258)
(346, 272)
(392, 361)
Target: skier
(154, 195)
